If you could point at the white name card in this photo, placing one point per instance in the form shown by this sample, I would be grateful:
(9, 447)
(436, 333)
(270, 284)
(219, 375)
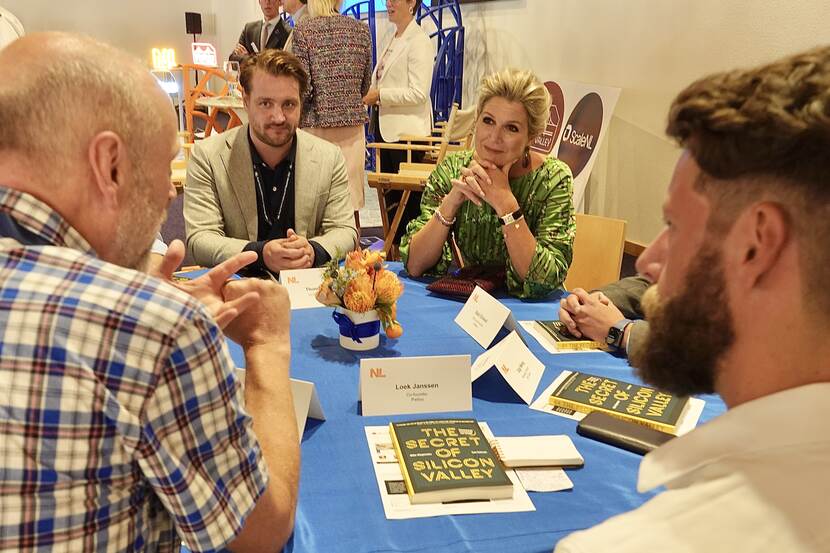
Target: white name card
(302, 285)
(406, 385)
(515, 363)
(483, 316)
(306, 401)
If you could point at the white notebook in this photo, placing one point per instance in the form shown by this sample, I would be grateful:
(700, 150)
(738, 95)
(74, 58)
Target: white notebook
(537, 451)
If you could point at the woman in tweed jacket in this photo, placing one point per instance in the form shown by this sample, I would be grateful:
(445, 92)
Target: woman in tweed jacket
(336, 52)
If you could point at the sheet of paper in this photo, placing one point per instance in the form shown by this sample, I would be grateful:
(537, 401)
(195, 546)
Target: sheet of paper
(302, 285)
(546, 341)
(407, 385)
(482, 317)
(516, 364)
(393, 494)
(687, 422)
(544, 479)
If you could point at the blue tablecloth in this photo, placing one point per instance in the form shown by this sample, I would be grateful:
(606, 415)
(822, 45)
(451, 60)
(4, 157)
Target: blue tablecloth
(339, 507)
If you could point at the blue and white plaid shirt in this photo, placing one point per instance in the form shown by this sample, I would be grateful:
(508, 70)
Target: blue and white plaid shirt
(121, 421)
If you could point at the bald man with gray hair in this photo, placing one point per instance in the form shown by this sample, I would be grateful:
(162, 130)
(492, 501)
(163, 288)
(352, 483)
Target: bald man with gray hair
(123, 425)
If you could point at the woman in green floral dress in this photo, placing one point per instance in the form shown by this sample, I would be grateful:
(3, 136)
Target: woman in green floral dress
(502, 202)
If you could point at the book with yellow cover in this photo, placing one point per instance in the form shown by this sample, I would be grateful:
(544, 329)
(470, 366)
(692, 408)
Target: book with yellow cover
(564, 340)
(448, 460)
(644, 405)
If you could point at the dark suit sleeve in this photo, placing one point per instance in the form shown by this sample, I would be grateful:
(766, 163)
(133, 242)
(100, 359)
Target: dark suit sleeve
(237, 57)
(626, 294)
(636, 336)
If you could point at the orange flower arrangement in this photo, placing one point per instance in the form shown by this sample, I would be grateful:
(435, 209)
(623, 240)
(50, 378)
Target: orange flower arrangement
(363, 284)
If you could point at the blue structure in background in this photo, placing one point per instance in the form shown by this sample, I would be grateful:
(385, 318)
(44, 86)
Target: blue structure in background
(448, 73)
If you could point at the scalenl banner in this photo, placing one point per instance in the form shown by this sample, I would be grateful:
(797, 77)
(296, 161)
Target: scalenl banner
(579, 118)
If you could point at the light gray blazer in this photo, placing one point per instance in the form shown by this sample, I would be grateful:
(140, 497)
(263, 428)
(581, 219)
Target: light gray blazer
(220, 211)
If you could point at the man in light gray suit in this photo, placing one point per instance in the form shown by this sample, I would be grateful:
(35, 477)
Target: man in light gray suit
(267, 186)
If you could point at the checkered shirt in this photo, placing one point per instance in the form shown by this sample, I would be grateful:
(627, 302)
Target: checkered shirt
(121, 421)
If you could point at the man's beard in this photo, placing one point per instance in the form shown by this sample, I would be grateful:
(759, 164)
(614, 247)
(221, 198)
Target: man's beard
(689, 333)
(260, 133)
(139, 224)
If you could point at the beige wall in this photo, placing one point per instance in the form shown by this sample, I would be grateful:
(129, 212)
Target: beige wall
(649, 48)
(133, 25)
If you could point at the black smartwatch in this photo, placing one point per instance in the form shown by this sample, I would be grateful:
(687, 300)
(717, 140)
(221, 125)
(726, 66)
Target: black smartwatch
(616, 334)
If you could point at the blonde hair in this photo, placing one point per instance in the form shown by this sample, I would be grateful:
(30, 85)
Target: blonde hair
(322, 8)
(522, 86)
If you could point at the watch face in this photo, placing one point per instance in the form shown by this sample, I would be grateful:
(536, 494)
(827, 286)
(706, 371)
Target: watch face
(613, 336)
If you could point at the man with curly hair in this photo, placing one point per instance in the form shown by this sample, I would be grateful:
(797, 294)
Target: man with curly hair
(743, 310)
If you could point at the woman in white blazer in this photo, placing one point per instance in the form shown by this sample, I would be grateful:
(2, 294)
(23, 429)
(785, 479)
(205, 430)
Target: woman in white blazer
(400, 90)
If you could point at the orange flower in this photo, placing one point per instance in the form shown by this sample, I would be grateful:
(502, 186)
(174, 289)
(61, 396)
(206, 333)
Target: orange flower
(355, 261)
(395, 330)
(359, 295)
(364, 260)
(387, 287)
(373, 260)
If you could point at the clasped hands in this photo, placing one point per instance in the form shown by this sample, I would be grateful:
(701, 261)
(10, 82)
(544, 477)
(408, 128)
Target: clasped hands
(485, 182)
(264, 303)
(591, 315)
(292, 252)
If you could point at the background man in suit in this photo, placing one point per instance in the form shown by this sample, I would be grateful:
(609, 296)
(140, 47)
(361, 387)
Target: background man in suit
(267, 186)
(270, 32)
(741, 308)
(298, 11)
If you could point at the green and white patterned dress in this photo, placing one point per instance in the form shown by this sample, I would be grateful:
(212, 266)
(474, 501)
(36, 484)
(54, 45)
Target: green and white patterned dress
(546, 198)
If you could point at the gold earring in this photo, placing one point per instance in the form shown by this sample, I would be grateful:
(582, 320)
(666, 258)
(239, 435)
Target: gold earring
(526, 159)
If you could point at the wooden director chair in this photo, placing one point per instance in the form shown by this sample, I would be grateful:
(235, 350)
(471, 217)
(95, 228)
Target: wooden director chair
(203, 76)
(597, 252)
(456, 134)
(178, 167)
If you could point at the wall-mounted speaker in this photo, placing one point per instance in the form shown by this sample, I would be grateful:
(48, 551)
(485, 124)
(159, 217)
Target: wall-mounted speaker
(193, 23)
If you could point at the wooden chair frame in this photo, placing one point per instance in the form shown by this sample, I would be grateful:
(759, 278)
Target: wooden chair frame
(204, 74)
(412, 177)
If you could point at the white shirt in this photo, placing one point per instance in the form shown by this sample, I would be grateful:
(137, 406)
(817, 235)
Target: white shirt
(159, 246)
(388, 54)
(754, 479)
(272, 24)
(10, 28)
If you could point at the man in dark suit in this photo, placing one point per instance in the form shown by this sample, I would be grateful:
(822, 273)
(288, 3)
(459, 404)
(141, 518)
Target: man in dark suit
(270, 32)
